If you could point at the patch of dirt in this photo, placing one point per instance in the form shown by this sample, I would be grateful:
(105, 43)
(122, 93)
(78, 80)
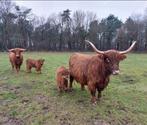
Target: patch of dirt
(40, 98)
(46, 82)
(80, 101)
(100, 122)
(64, 119)
(144, 74)
(33, 81)
(10, 88)
(96, 120)
(4, 78)
(25, 100)
(120, 106)
(128, 79)
(4, 102)
(43, 101)
(26, 86)
(5, 120)
(127, 121)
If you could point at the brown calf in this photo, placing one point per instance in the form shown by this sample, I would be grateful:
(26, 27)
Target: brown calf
(62, 76)
(34, 63)
(16, 58)
(95, 70)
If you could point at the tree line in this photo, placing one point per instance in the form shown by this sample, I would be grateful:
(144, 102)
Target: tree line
(19, 27)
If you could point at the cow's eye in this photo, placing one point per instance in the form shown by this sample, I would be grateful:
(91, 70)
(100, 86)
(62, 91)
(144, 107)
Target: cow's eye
(107, 60)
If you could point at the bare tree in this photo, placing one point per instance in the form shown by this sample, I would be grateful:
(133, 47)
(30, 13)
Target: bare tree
(90, 16)
(6, 18)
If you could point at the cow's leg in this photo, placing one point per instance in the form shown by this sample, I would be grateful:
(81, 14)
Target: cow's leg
(29, 69)
(82, 87)
(60, 89)
(71, 81)
(12, 66)
(92, 90)
(38, 70)
(17, 69)
(99, 95)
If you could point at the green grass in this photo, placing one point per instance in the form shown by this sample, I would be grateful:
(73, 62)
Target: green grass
(32, 99)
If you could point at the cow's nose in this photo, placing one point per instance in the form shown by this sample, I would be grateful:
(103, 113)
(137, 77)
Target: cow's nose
(115, 72)
(17, 57)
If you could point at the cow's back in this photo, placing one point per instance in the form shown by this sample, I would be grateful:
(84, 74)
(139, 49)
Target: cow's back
(78, 67)
(31, 62)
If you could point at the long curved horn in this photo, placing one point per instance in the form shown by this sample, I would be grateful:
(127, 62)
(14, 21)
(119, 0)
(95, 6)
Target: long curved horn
(95, 49)
(22, 50)
(129, 49)
(10, 50)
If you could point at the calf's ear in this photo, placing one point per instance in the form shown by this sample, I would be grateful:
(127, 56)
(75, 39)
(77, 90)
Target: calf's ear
(122, 57)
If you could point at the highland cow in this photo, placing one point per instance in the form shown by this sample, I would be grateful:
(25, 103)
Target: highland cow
(16, 58)
(62, 76)
(95, 70)
(37, 64)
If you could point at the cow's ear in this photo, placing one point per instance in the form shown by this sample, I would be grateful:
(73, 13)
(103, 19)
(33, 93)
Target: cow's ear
(122, 57)
(101, 56)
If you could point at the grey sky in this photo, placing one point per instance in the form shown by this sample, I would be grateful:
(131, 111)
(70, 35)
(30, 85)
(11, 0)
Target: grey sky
(122, 9)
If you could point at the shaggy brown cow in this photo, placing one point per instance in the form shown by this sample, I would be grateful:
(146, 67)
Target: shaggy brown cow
(62, 76)
(95, 70)
(16, 58)
(34, 63)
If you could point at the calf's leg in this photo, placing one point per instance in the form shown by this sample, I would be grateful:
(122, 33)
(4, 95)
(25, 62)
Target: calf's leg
(28, 68)
(71, 81)
(65, 85)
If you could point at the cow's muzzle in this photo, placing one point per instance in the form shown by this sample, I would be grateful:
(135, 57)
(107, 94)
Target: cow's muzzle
(115, 72)
(17, 57)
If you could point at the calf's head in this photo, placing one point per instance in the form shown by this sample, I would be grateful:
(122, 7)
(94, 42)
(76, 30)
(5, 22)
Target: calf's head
(39, 63)
(17, 52)
(65, 74)
(112, 57)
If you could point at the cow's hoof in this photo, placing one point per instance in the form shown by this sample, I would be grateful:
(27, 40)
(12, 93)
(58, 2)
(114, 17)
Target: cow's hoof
(83, 89)
(94, 103)
(98, 99)
(66, 90)
(70, 89)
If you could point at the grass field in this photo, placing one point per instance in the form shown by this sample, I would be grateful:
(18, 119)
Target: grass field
(32, 99)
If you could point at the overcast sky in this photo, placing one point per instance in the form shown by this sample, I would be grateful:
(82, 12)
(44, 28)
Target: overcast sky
(122, 9)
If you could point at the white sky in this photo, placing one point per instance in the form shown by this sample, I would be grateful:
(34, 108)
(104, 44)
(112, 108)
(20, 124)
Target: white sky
(121, 9)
